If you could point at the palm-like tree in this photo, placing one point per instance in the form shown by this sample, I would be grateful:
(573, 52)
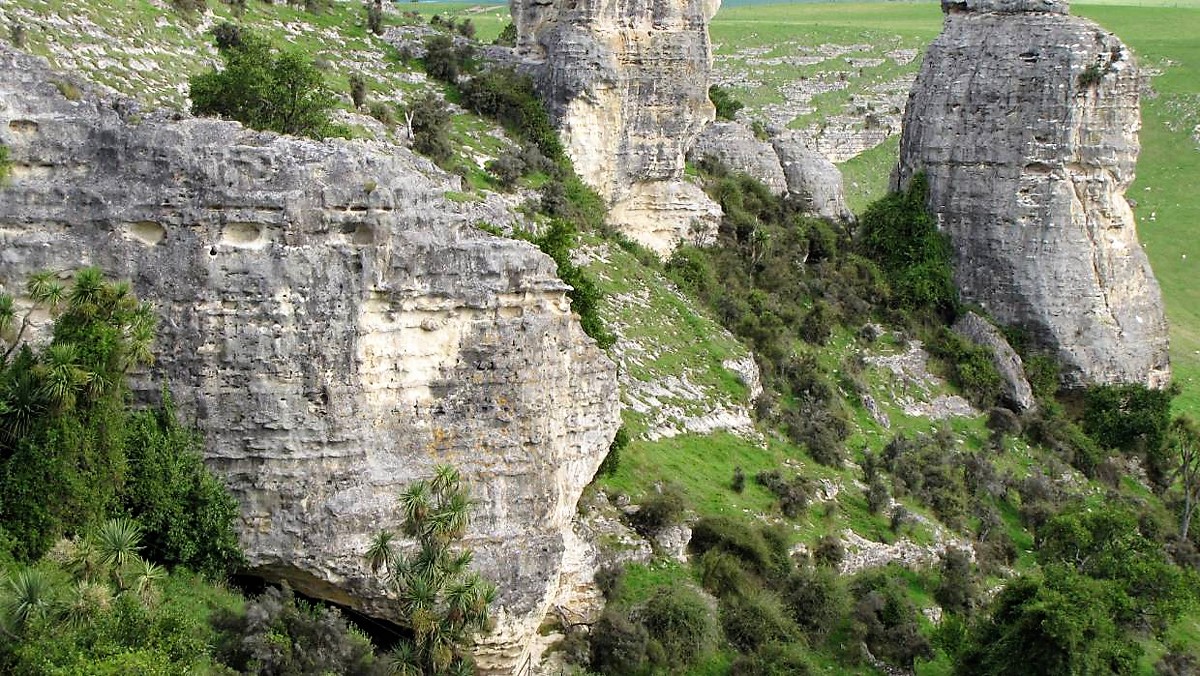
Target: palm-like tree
(442, 602)
(118, 542)
(28, 595)
(148, 578)
(379, 554)
(61, 375)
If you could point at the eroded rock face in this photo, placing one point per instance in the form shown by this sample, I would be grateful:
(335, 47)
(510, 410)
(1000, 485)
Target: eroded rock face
(627, 83)
(736, 146)
(1025, 123)
(1015, 389)
(333, 324)
(812, 180)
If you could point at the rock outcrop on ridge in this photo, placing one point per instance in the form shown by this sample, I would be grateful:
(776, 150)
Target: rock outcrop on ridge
(627, 83)
(1025, 122)
(333, 324)
(784, 163)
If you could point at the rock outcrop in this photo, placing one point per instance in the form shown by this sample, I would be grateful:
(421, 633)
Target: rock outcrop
(785, 164)
(1014, 386)
(1025, 122)
(812, 180)
(333, 324)
(627, 83)
(735, 146)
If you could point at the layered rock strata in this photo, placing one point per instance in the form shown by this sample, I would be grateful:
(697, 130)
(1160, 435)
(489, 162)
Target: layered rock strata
(1025, 122)
(333, 324)
(627, 83)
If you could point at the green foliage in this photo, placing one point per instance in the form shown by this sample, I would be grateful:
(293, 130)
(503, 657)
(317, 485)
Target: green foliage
(727, 106)
(956, 590)
(816, 598)
(266, 89)
(188, 514)
(431, 129)
(557, 241)
(886, 619)
(755, 618)
(900, 234)
(5, 164)
(1133, 419)
(508, 36)
(776, 659)
(444, 61)
(682, 623)
(508, 97)
(277, 634)
(613, 460)
(441, 601)
(1058, 624)
(358, 90)
(660, 509)
(618, 643)
(72, 454)
(374, 12)
(733, 537)
(968, 365)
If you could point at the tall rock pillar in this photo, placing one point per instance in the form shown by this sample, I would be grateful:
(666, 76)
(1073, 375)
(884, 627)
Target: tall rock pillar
(627, 83)
(1025, 121)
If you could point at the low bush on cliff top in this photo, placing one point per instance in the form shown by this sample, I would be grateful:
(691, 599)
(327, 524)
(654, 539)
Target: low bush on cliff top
(266, 89)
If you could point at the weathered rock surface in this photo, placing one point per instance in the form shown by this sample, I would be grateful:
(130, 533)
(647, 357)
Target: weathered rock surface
(1025, 123)
(739, 149)
(1015, 387)
(627, 83)
(333, 324)
(812, 180)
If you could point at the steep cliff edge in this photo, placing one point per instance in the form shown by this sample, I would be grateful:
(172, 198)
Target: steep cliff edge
(333, 324)
(627, 83)
(1025, 122)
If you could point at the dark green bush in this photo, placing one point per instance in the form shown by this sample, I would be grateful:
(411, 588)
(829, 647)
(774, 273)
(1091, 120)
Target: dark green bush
(775, 659)
(431, 129)
(557, 242)
(829, 551)
(618, 643)
(754, 618)
(358, 90)
(816, 598)
(374, 12)
(721, 573)
(277, 634)
(900, 234)
(969, 366)
(266, 89)
(612, 461)
(886, 618)
(732, 536)
(660, 509)
(681, 621)
(956, 590)
(1132, 419)
(727, 106)
(508, 36)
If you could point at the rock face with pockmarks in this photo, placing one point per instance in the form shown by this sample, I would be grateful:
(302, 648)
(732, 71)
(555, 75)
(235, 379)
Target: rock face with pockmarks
(1025, 121)
(334, 325)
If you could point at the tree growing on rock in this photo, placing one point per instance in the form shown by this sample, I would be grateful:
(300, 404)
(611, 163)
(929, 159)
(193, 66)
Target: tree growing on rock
(442, 602)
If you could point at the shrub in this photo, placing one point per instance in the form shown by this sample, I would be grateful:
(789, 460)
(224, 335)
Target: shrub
(508, 36)
(431, 129)
(17, 34)
(727, 106)
(816, 598)
(661, 509)
(721, 573)
(279, 635)
(969, 366)
(681, 621)
(265, 89)
(612, 461)
(444, 61)
(956, 590)
(730, 535)
(509, 98)
(556, 242)
(374, 12)
(775, 659)
(793, 495)
(1132, 419)
(5, 163)
(618, 644)
(829, 551)
(886, 619)
(358, 90)
(610, 580)
(189, 8)
(382, 111)
(902, 236)
(755, 618)
(739, 480)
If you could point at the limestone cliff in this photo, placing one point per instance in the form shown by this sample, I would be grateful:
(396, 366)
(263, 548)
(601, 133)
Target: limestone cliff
(1025, 121)
(627, 83)
(333, 324)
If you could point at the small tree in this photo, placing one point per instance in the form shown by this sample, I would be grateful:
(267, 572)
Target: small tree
(1184, 438)
(430, 127)
(443, 603)
(265, 89)
(358, 90)
(375, 17)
